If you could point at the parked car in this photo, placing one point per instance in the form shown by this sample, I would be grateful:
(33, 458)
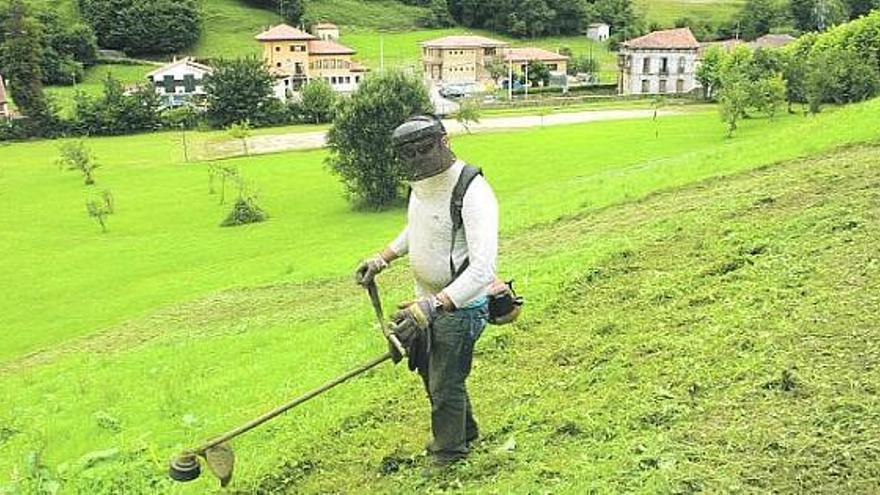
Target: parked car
(452, 91)
(516, 84)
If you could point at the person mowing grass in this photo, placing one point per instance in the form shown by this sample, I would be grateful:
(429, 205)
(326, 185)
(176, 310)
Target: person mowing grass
(452, 250)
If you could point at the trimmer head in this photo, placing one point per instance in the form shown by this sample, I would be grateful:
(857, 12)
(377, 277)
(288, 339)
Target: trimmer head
(185, 467)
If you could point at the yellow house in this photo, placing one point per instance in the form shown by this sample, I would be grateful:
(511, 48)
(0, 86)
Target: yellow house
(295, 57)
(460, 59)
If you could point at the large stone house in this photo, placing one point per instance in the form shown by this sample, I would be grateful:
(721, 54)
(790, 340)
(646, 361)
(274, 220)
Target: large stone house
(180, 82)
(662, 62)
(5, 110)
(460, 59)
(295, 57)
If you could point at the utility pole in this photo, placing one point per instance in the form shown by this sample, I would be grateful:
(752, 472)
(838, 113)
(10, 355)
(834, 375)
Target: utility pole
(527, 80)
(510, 80)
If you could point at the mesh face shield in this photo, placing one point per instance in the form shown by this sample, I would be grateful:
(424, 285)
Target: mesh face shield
(418, 144)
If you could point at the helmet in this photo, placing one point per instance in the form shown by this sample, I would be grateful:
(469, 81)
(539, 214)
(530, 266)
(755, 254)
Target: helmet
(416, 129)
(417, 143)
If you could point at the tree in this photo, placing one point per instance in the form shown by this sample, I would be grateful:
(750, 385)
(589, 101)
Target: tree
(74, 155)
(468, 113)
(100, 209)
(241, 130)
(318, 101)
(538, 73)
(709, 71)
(858, 8)
(438, 15)
(583, 64)
(239, 89)
(758, 17)
(839, 76)
(733, 99)
(117, 111)
(817, 15)
(497, 68)
(144, 26)
(360, 139)
(768, 94)
(21, 57)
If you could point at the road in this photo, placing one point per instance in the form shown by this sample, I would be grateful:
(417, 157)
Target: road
(318, 139)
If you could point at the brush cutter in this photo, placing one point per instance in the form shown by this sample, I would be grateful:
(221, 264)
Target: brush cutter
(217, 452)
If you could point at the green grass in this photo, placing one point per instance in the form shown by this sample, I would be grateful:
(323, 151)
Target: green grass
(665, 12)
(229, 29)
(93, 83)
(680, 335)
(164, 208)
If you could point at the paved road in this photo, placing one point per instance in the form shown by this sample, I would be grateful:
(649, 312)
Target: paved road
(318, 139)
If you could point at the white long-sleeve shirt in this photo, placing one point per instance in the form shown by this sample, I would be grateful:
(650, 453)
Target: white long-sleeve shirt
(427, 237)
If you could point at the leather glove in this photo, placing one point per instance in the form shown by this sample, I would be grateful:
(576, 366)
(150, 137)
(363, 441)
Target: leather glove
(416, 315)
(369, 268)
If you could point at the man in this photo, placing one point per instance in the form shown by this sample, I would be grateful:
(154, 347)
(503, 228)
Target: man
(453, 268)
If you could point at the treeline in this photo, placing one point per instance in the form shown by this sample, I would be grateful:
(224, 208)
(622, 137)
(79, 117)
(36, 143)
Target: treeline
(531, 18)
(839, 66)
(144, 26)
(64, 47)
(759, 17)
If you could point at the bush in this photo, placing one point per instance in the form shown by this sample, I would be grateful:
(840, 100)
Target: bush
(842, 76)
(238, 90)
(115, 112)
(144, 26)
(244, 211)
(360, 139)
(318, 102)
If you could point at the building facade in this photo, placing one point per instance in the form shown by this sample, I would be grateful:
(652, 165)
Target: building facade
(180, 82)
(519, 58)
(662, 62)
(295, 57)
(598, 32)
(326, 31)
(5, 111)
(460, 59)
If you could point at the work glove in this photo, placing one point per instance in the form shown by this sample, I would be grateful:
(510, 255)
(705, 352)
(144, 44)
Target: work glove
(369, 268)
(416, 315)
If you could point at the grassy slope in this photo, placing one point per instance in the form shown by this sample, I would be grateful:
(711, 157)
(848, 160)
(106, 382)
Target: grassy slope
(93, 83)
(95, 281)
(712, 337)
(665, 12)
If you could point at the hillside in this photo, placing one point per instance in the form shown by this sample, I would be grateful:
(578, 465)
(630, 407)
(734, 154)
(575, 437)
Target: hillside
(169, 329)
(708, 337)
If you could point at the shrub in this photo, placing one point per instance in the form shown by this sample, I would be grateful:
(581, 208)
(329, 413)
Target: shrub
(238, 90)
(360, 139)
(74, 155)
(318, 102)
(244, 211)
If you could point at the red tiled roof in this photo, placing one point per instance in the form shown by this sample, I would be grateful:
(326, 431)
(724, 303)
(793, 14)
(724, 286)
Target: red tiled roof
(669, 38)
(772, 41)
(526, 54)
(283, 32)
(327, 47)
(463, 42)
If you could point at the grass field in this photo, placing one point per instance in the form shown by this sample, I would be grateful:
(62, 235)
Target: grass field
(680, 336)
(665, 12)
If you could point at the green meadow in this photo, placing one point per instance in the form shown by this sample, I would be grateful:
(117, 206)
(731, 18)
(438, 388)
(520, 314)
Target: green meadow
(665, 12)
(699, 317)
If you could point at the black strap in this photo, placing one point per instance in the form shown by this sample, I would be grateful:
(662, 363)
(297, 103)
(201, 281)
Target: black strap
(456, 203)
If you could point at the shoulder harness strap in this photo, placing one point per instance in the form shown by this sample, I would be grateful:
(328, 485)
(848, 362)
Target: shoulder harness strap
(456, 203)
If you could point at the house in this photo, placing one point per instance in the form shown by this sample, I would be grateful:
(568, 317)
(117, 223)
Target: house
(179, 82)
(326, 31)
(520, 58)
(598, 31)
(662, 62)
(295, 57)
(5, 110)
(460, 59)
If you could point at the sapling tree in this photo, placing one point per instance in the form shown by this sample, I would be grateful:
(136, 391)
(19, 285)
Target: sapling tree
(468, 113)
(100, 209)
(241, 130)
(74, 155)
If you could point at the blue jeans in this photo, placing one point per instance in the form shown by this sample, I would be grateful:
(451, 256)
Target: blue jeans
(450, 354)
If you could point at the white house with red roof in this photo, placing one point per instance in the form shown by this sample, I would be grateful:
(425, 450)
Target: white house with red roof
(662, 62)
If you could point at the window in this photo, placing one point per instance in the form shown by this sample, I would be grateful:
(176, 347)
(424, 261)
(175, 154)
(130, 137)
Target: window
(681, 65)
(189, 83)
(646, 65)
(277, 48)
(553, 67)
(333, 80)
(662, 85)
(646, 86)
(278, 64)
(679, 86)
(168, 81)
(664, 65)
(357, 79)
